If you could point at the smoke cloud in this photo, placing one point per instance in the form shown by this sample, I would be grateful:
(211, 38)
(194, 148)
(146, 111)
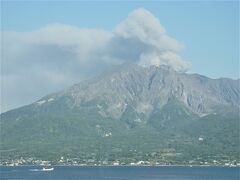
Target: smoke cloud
(157, 47)
(58, 55)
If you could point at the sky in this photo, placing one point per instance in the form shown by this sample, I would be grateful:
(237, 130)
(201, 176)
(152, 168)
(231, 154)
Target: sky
(47, 46)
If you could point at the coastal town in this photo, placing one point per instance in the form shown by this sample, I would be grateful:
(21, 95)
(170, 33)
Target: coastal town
(91, 162)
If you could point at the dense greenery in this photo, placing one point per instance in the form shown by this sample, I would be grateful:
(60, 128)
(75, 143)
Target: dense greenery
(171, 135)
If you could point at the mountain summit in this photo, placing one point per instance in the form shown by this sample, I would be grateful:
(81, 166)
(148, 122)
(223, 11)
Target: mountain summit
(155, 113)
(146, 89)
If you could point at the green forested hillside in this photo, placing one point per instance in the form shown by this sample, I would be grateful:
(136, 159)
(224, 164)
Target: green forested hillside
(171, 135)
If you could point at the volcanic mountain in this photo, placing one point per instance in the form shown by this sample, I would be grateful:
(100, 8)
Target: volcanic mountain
(128, 114)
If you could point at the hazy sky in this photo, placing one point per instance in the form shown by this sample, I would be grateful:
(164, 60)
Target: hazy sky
(48, 46)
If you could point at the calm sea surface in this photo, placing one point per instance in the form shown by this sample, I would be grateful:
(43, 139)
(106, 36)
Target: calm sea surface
(120, 173)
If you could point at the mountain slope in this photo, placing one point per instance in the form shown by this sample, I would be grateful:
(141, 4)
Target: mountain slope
(129, 114)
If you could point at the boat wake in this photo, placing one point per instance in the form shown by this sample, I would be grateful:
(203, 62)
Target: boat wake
(43, 169)
(35, 169)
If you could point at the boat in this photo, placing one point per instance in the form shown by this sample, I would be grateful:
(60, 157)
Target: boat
(47, 168)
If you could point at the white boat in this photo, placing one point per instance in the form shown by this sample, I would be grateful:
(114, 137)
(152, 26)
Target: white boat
(47, 168)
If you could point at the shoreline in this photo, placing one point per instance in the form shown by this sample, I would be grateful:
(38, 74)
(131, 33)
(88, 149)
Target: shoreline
(190, 166)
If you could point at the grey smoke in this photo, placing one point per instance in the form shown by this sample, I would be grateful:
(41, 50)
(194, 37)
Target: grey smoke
(58, 55)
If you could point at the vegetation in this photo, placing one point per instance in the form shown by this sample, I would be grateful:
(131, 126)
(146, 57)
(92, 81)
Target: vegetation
(171, 135)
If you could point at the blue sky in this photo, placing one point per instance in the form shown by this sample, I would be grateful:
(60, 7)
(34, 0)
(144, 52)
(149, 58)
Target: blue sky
(208, 31)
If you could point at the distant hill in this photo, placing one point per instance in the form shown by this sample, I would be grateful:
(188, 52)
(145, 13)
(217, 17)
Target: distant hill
(130, 114)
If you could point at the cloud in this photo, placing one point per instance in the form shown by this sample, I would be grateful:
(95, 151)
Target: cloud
(167, 58)
(142, 25)
(58, 55)
(152, 44)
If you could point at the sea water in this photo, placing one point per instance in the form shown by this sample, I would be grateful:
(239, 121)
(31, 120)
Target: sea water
(120, 173)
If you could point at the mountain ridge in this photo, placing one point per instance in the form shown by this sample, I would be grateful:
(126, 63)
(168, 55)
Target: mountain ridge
(111, 71)
(107, 115)
(161, 74)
